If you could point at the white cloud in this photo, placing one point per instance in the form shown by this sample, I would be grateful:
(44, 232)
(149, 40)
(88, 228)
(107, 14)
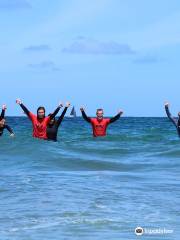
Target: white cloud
(44, 65)
(37, 48)
(91, 46)
(14, 4)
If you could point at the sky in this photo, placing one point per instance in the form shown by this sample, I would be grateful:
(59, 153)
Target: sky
(111, 54)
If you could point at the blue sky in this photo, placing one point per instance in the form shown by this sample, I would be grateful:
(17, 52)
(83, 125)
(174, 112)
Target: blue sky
(99, 53)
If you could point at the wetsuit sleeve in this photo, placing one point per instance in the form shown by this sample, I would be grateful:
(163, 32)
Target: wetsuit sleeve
(9, 129)
(113, 119)
(55, 113)
(170, 116)
(62, 116)
(86, 118)
(27, 112)
(2, 114)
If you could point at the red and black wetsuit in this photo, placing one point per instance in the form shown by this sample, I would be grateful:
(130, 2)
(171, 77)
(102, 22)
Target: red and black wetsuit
(52, 130)
(39, 125)
(5, 125)
(100, 126)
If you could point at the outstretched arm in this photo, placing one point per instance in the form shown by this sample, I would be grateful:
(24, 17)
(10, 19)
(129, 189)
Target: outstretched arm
(10, 130)
(63, 114)
(27, 112)
(169, 114)
(3, 111)
(86, 118)
(116, 117)
(19, 102)
(56, 111)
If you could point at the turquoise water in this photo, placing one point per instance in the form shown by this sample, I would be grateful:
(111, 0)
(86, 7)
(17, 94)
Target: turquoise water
(86, 188)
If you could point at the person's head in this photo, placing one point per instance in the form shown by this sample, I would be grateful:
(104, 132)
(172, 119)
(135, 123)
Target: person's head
(99, 113)
(52, 121)
(2, 122)
(179, 114)
(41, 112)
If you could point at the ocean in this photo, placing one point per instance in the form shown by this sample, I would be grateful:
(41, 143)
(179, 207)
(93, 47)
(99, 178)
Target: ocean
(90, 188)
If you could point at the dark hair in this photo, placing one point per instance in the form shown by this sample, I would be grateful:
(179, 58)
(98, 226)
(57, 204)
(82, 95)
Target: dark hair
(41, 108)
(51, 118)
(99, 109)
(2, 119)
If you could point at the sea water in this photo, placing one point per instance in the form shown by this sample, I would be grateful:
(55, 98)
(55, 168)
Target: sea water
(90, 188)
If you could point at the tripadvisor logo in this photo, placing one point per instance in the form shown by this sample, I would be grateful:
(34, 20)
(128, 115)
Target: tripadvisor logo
(139, 231)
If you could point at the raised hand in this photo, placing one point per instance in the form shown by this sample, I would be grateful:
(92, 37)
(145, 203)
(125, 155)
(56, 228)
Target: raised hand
(120, 111)
(60, 104)
(18, 101)
(68, 104)
(4, 107)
(166, 104)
